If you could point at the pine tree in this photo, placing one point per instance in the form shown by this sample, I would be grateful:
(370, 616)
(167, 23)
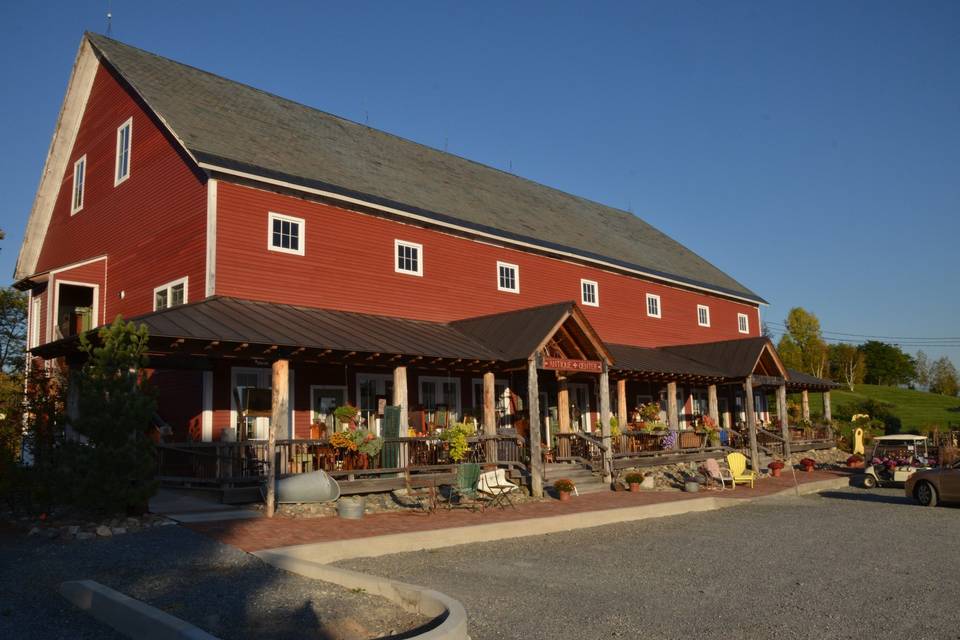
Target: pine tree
(115, 408)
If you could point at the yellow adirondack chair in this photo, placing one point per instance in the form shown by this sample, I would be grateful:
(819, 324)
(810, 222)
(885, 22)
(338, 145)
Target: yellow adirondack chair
(738, 469)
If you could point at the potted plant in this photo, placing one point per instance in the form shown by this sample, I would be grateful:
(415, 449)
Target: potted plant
(808, 464)
(713, 431)
(455, 438)
(855, 461)
(633, 479)
(775, 467)
(564, 488)
(346, 416)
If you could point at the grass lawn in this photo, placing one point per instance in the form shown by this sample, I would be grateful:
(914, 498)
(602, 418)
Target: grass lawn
(916, 409)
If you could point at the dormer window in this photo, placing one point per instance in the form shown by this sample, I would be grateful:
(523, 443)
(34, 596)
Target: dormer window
(589, 293)
(653, 305)
(285, 234)
(508, 277)
(124, 135)
(408, 257)
(703, 315)
(79, 182)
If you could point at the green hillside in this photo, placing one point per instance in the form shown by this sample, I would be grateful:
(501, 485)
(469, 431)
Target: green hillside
(916, 409)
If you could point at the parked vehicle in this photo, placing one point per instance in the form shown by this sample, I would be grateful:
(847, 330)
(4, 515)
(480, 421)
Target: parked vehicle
(933, 486)
(895, 458)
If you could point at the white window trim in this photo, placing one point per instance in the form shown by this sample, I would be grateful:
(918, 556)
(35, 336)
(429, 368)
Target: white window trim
(332, 387)
(301, 233)
(74, 207)
(659, 313)
(596, 293)
(117, 181)
(707, 309)
(516, 276)
(743, 323)
(396, 248)
(436, 380)
(170, 285)
(56, 302)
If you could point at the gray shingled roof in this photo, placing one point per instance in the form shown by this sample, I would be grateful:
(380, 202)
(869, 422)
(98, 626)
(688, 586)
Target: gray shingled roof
(231, 125)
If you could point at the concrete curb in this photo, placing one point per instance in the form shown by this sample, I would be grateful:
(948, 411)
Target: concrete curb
(334, 551)
(449, 616)
(132, 618)
(337, 550)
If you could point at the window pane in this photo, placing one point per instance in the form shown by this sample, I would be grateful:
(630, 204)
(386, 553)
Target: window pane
(176, 295)
(161, 299)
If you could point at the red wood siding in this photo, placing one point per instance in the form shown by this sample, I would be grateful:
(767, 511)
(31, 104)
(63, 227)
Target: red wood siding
(180, 402)
(349, 265)
(152, 226)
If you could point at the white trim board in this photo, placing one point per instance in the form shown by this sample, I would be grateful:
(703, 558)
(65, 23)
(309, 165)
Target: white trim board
(211, 255)
(51, 315)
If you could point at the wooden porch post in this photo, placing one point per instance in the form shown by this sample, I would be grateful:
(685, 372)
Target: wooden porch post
(751, 423)
(622, 417)
(533, 411)
(805, 402)
(712, 406)
(673, 419)
(489, 416)
(605, 424)
(563, 404)
(828, 413)
(279, 413)
(782, 413)
(400, 398)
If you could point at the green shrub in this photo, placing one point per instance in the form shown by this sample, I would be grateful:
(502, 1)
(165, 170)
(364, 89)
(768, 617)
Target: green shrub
(634, 477)
(565, 485)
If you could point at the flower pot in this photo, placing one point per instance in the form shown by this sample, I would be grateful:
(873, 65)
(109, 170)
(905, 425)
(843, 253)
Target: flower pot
(351, 508)
(775, 472)
(564, 496)
(634, 487)
(808, 468)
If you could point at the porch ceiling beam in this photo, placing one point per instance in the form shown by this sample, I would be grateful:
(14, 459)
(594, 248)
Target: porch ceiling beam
(212, 344)
(241, 346)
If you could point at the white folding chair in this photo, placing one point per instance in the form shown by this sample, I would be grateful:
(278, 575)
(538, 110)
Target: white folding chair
(496, 485)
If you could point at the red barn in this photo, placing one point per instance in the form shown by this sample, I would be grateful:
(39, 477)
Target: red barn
(246, 230)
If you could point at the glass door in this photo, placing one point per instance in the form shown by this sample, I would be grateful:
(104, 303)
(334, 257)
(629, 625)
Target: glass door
(244, 378)
(580, 406)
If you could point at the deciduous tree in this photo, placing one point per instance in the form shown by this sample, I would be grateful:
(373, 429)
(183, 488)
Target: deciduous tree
(13, 329)
(887, 364)
(943, 377)
(847, 364)
(922, 366)
(802, 347)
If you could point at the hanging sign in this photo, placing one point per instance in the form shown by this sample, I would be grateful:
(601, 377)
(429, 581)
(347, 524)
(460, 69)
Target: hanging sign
(566, 364)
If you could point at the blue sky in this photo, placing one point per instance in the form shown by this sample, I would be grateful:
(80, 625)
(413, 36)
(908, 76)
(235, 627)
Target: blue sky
(810, 149)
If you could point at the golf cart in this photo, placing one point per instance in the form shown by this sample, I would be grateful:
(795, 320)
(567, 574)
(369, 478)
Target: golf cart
(895, 458)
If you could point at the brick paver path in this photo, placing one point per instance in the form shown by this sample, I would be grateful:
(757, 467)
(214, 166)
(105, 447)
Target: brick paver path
(264, 533)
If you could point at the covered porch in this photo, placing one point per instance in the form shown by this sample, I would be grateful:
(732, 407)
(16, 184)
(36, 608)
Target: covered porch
(251, 391)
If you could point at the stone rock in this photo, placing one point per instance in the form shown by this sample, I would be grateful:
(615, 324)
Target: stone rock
(73, 530)
(118, 531)
(34, 531)
(85, 535)
(104, 531)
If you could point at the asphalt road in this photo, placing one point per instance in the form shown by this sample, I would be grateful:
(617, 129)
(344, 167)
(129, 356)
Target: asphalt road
(844, 564)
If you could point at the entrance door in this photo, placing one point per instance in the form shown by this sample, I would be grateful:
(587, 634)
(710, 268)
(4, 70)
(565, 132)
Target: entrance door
(371, 387)
(580, 406)
(250, 378)
(323, 400)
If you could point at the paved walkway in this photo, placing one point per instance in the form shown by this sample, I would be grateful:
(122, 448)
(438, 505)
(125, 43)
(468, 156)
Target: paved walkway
(197, 506)
(263, 533)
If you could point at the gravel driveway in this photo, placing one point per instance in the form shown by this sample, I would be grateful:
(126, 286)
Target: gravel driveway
(843, 564)
(219, 588)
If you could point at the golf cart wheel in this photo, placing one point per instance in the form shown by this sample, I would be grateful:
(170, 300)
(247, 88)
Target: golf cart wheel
(869, 482)
(926, 494)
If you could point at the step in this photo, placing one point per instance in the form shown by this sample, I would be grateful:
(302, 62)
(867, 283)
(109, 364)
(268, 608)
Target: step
(575, 475)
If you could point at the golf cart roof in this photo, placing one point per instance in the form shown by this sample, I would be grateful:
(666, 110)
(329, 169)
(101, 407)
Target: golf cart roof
(902, 437)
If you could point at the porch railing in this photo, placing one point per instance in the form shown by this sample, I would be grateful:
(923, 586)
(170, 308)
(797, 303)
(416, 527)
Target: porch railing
(576, 446)
(245, 462)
